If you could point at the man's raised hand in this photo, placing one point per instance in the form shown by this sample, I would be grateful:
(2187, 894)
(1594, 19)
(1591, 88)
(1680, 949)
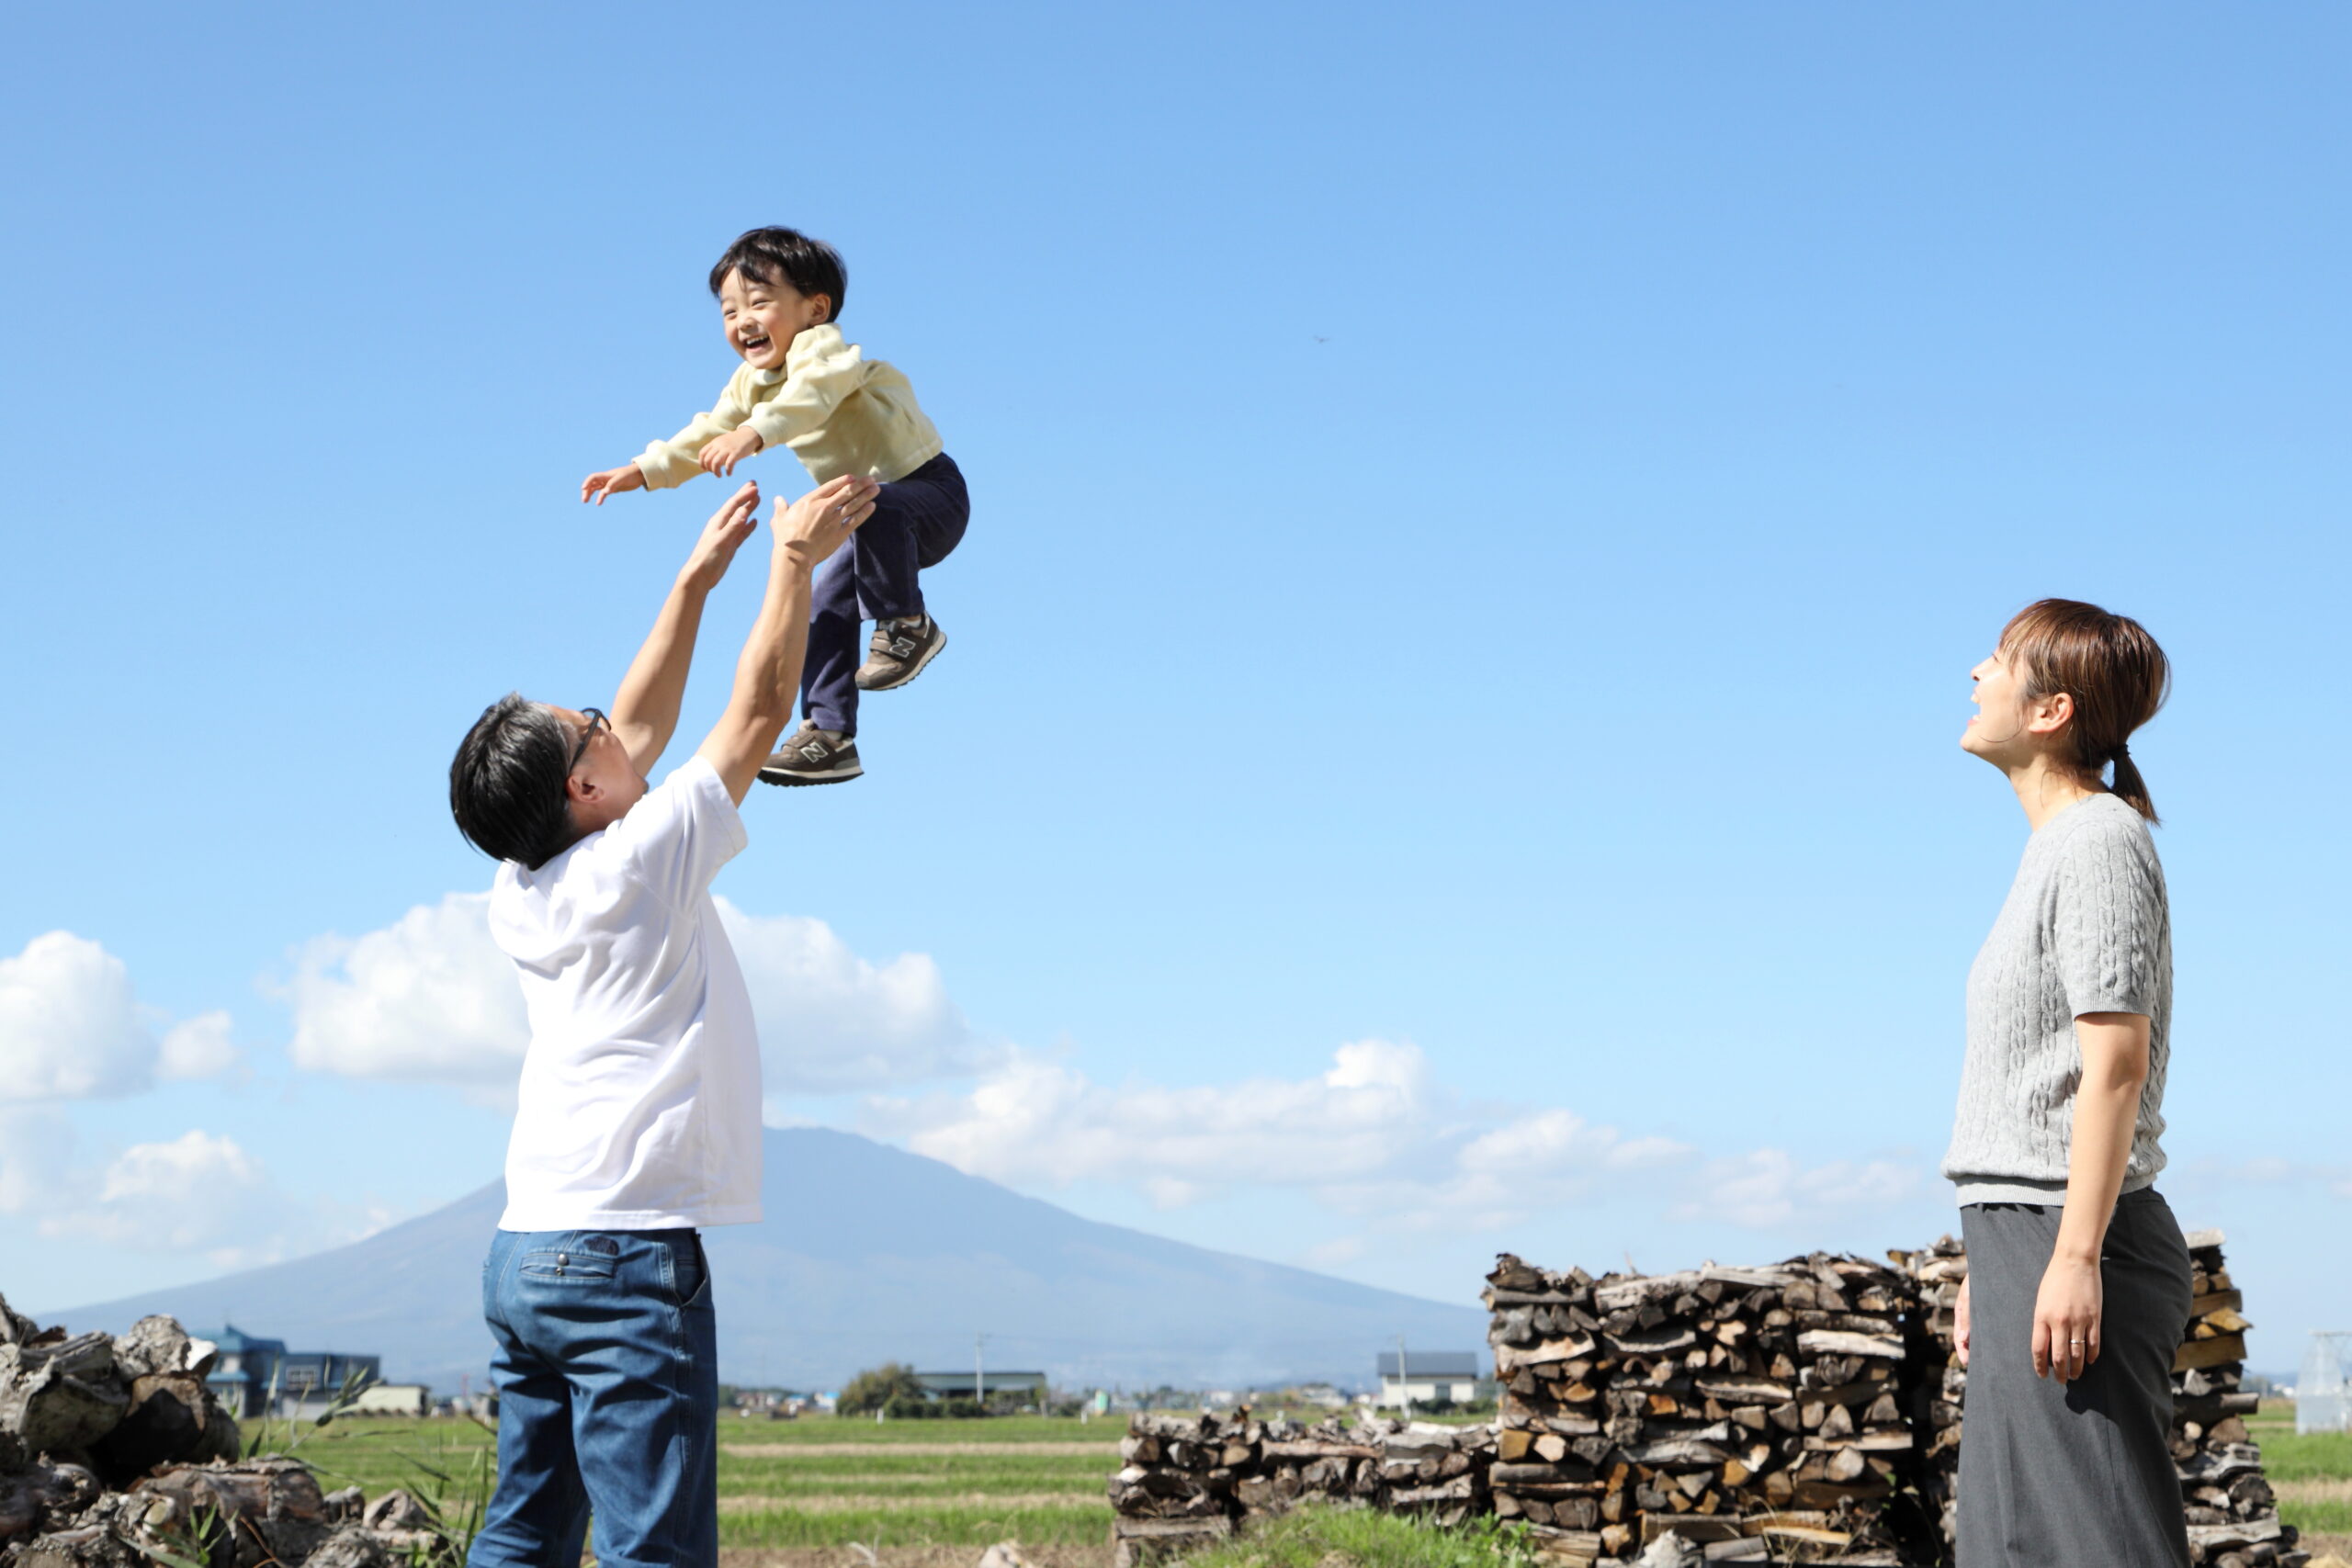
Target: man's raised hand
(612, 481)
(821, 520)
(723, 535)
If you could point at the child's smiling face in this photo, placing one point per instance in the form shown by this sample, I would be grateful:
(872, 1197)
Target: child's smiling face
(761, 319)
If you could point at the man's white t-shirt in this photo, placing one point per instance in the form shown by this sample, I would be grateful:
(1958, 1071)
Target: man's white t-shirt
(639, 1104)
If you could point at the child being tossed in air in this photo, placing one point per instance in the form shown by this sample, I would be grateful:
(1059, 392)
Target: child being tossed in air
(805, 387)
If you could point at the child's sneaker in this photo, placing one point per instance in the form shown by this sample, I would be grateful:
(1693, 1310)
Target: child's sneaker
(898, 652)
(813, 756)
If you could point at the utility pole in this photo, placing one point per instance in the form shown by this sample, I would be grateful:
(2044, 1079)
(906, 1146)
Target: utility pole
(1404, 1389)
(980, 1372)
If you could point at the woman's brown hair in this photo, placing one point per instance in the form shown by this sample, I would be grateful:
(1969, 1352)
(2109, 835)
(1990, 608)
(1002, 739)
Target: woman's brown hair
(2113, 669)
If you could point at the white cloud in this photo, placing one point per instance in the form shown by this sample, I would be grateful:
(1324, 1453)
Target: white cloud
(188, 1193)
(1374, 1137)
(832, 1023)
(200, 1047)
(430, 998)
(1768, 1190)
(1538, 1162)
(199, 1193)
(1036, 1121)
(70, 1028)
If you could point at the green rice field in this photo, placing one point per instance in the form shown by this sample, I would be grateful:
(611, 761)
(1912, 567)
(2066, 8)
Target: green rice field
(811, 1482)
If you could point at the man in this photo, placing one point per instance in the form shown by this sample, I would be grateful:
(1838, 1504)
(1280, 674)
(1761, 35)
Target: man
(637, 1120)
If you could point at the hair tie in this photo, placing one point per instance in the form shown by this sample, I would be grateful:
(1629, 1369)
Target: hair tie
(2122, 751)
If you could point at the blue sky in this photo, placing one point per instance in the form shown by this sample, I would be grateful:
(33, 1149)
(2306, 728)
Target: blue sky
(1481, 525)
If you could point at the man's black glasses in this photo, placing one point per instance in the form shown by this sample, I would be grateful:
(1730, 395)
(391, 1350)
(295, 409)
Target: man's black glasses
(596, 720)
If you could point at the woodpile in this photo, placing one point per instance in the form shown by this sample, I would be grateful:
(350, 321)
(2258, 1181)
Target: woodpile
(1807, 1411)
(1188, 1480)
(113, 1454)
(2233, 1514)
(1756, 1414)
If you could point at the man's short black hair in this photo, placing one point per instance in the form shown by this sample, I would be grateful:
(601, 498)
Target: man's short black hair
(506, 784)
(769, 256)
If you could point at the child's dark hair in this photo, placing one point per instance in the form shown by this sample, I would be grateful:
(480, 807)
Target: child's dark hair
(771, 255)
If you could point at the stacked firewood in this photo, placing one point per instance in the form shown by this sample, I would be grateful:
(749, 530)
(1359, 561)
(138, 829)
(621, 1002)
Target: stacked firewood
(1805, 1411)
(2233, 1516)
(1186, 1480)
(1936, 1274)
(113, 1454)
(1755, 1412)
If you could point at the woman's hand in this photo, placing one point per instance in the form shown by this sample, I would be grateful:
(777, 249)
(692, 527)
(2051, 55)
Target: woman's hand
(1959, 1323)
(2066, 1317)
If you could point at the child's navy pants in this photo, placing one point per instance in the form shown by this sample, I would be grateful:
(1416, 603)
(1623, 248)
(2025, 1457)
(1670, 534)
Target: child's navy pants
(916, 522)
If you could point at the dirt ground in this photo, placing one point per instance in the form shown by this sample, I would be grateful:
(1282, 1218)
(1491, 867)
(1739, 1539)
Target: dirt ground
(859, 1502)
(907, 1557)
(858, 1450)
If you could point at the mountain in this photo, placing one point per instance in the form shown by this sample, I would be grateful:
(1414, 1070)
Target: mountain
(868, 1254)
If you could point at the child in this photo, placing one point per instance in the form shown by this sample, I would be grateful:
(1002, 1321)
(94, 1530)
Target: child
(803, 386)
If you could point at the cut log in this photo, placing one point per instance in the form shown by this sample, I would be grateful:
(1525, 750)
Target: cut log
(1139, 1541)
(43, 1496)
(1837, 1342)
(61, 1397)
(2197, 1353)
(172, 1418)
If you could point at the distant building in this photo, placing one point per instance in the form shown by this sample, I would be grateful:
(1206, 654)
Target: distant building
(254, 1376)
(393, 1399)
(964, 1385)
(1427, 1376)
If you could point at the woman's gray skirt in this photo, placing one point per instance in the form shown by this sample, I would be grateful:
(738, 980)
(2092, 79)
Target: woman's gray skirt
(2080, 1474)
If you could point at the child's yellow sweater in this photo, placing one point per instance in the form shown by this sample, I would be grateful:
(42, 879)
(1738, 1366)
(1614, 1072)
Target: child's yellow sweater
(840, 413)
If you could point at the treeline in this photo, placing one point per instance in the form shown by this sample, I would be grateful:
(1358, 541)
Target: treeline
(893, 1390)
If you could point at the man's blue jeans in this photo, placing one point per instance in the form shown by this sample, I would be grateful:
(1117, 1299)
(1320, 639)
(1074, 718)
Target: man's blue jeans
(608, 1377)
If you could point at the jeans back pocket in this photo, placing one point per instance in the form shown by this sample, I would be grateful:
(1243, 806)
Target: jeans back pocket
(570, 1264)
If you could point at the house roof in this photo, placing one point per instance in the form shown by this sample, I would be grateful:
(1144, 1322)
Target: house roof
(940, 1381)
(230, 1337)
(1434, 1364)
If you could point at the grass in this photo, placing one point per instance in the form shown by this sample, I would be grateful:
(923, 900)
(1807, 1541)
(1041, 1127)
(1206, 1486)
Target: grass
(1359, 1538)
(2312, 1474)
(1037, 1480)
(972, 1524)
(448, 1463)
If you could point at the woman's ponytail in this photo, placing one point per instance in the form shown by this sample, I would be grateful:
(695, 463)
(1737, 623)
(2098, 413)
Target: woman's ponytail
(2130, 788)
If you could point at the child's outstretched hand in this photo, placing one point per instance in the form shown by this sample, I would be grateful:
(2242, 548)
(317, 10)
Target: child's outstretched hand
(721, 456)
(612, 481)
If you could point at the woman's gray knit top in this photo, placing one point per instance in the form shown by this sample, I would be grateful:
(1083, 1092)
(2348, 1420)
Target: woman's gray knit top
(2084, 929)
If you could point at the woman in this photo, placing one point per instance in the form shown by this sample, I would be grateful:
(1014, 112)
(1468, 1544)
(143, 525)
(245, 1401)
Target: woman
(2079, 1281)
